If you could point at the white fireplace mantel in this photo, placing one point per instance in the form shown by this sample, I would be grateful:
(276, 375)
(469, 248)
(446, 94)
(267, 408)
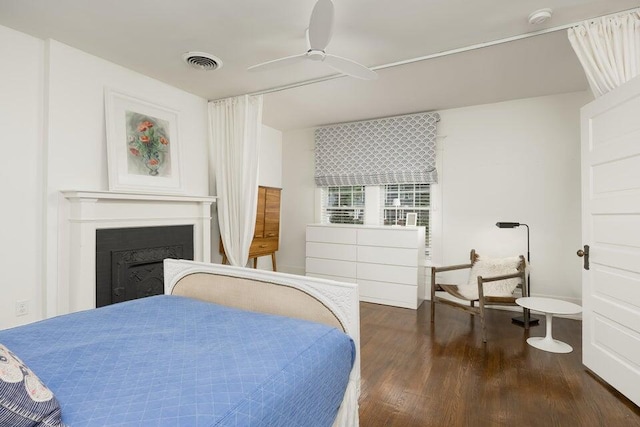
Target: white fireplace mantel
(84, 212)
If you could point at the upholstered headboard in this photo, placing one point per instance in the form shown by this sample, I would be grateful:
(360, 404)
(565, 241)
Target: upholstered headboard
(256, 295)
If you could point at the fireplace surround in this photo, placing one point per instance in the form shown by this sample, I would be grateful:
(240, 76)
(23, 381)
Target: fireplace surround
(83, 213)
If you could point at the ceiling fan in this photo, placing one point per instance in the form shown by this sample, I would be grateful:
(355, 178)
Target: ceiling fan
(318, 37)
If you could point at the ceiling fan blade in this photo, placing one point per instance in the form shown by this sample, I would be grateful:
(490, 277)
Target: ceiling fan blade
(277, 63)
(321, 25)
(349, 67)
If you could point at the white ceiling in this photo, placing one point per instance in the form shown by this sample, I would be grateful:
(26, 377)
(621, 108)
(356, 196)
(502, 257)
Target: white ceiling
(149, 36)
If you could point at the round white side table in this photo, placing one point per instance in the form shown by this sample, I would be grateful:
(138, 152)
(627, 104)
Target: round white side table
(549, 307)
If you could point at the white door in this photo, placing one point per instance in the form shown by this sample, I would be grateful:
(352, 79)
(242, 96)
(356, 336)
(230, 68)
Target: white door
(611, 228)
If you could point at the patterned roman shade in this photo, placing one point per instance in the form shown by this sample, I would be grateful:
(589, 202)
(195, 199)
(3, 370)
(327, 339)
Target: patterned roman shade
(392, 150)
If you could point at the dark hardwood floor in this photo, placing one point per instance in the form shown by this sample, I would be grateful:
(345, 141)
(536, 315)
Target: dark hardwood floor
(416, 374)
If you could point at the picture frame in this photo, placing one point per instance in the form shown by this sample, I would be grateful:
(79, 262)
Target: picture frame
(412, 219)
(143, 146)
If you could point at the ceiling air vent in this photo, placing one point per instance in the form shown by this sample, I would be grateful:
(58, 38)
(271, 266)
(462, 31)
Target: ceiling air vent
(202, 61)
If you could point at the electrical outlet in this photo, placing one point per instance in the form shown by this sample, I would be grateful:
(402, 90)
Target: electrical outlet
(22, 307)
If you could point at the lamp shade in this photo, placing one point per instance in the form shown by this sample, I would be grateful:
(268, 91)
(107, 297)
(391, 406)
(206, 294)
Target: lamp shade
(507, 224)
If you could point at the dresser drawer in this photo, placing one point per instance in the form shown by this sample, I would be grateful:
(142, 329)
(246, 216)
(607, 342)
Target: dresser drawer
(336, 278)
(263, 245)
(388, 273)
(330, 234)
(331, 251)
(393, 237)
(331, 267)
(387, 293)
(390, 256)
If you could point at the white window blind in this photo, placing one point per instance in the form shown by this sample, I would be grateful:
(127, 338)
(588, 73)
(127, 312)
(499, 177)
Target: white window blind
(343, 205)
(414, 198)
(346, 205)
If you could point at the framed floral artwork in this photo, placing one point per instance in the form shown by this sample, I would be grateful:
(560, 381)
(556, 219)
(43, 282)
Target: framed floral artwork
(143, 149)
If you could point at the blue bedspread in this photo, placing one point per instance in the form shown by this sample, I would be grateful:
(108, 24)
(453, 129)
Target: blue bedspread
(169, 361)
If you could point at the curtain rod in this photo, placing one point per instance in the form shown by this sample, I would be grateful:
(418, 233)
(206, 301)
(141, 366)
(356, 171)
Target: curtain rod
(442, 53)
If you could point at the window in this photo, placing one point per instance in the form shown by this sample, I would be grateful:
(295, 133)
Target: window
(343, 205)
(346, 205)
(414, 198)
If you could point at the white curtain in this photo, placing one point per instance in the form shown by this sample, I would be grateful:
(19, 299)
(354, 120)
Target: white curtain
(234, 125)
(608, 49)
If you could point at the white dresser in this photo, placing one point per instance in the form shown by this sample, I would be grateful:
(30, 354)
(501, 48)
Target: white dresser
(386, 262)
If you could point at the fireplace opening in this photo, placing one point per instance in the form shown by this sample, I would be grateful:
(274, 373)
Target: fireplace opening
(129, 260)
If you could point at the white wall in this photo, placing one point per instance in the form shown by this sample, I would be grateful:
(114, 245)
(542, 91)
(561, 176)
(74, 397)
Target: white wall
(516, 161)
(298, 199)
(270, 171)
(21, 175)
(511, 161)
(53, 126)
(76, 139)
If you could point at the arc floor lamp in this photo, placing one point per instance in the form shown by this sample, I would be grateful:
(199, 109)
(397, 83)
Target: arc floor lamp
(521, 320)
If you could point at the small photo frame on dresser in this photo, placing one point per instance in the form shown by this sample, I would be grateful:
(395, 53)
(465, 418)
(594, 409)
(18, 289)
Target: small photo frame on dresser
(412, 219)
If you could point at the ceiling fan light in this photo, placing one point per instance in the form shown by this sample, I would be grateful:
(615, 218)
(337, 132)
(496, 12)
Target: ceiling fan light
(540, 16)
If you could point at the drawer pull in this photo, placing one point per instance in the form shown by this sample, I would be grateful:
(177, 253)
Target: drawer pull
(271, 235)
(263, 246)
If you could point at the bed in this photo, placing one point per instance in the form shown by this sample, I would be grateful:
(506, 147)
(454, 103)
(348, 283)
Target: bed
(225, 346)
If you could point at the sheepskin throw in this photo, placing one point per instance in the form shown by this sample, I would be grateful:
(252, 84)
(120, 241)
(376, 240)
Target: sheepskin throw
(487, 267)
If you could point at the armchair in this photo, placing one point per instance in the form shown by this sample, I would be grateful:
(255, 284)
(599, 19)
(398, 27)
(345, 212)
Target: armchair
(491, 282)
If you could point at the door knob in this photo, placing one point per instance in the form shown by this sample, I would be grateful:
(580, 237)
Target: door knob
(584, 253)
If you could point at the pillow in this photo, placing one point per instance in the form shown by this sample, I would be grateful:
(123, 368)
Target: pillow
(24, 399)
(487, 267)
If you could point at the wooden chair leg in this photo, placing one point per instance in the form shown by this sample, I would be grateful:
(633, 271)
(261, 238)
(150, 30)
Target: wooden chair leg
(433, 294)
(482, 322)
(526, 314)
(482, 312)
